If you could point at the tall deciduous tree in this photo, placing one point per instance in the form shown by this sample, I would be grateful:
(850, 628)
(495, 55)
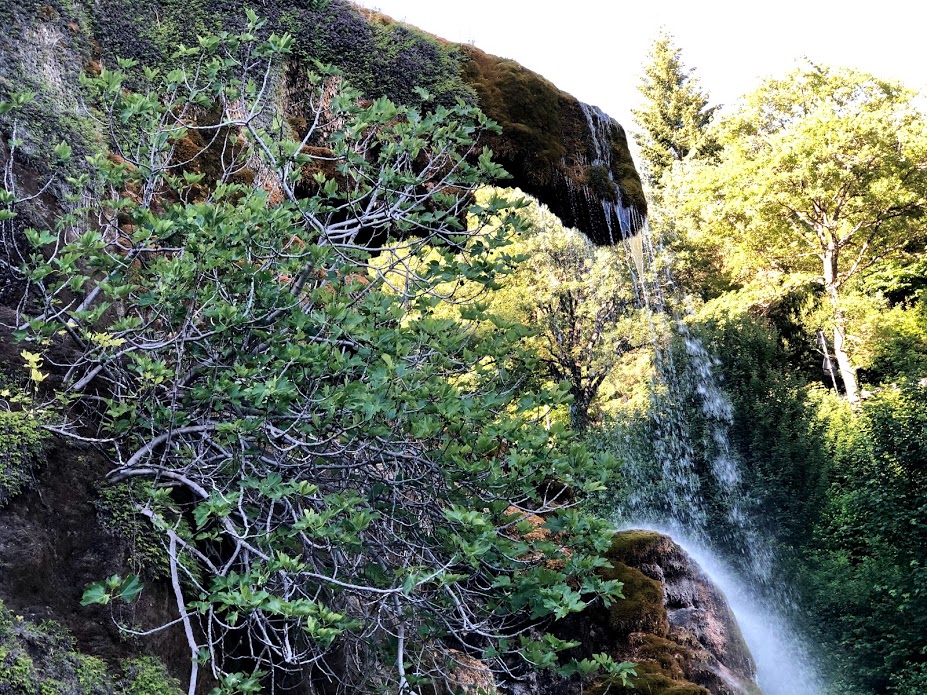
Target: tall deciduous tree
(822, 172)
(675, 116)
(579, 300)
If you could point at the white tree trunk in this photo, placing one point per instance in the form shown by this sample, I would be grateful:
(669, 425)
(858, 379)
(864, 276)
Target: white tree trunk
(847, 370)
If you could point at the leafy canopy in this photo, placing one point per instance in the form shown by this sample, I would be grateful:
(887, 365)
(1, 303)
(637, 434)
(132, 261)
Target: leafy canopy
(823, 159)
(822, 173)
(580, 301)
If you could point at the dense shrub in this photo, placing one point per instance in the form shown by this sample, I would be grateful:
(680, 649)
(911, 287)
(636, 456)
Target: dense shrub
(865, 573)
(340, 476)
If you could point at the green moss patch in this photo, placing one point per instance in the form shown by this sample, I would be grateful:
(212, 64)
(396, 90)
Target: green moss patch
(600, 182)
(650, 681)
(42, 51)
(525, 104)
(547, 146)
(659, 670)
(117, 505)
(642, 609)
(381, 57)
(42, 659)
(22, 443)
(632, 547)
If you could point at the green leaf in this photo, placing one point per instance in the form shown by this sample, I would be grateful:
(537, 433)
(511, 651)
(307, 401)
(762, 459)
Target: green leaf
(95, 594)
(63, 151)
(130, 588)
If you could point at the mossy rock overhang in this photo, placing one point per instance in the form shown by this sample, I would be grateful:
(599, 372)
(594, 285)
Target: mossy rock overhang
(571, 157)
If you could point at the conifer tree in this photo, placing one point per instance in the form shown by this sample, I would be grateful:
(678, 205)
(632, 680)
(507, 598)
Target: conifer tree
(675, 116)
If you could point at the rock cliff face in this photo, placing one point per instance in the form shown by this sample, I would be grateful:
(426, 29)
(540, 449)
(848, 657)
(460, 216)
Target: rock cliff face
(568, 154)
(675, 624)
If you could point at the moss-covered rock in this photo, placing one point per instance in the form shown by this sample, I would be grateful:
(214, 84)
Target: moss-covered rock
(52, 545)
(673, 623)
(42, 659)
(650, 680)
(642, 609)
(569, 155)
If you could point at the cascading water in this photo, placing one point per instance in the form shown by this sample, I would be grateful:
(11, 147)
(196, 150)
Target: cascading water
(687, 476)
(679, 497)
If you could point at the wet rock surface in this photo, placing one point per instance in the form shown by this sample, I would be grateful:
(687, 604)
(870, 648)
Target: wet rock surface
(52, 545)
(571, 156)
(673, 623)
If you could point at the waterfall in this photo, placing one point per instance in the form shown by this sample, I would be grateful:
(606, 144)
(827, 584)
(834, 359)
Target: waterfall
(690, 445)
(681, 380)
(686, 478)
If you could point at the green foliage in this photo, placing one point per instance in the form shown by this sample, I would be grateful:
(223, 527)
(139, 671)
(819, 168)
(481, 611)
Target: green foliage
(911, 681)
(899, 345)
(820, 172)
(22, 441)
(579, 300)
(675, 118)
(102, 593)
(856, 138)
(327, 471)
(894, 329)
(602, 665)
(865, 572)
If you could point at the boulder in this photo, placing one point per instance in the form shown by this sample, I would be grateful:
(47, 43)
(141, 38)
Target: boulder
(674, 623)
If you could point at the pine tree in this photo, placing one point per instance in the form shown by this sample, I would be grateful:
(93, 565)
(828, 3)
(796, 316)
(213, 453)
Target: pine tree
(675, 116)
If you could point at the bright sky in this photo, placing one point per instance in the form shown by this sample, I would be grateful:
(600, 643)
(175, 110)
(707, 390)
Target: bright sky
(595, 49)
